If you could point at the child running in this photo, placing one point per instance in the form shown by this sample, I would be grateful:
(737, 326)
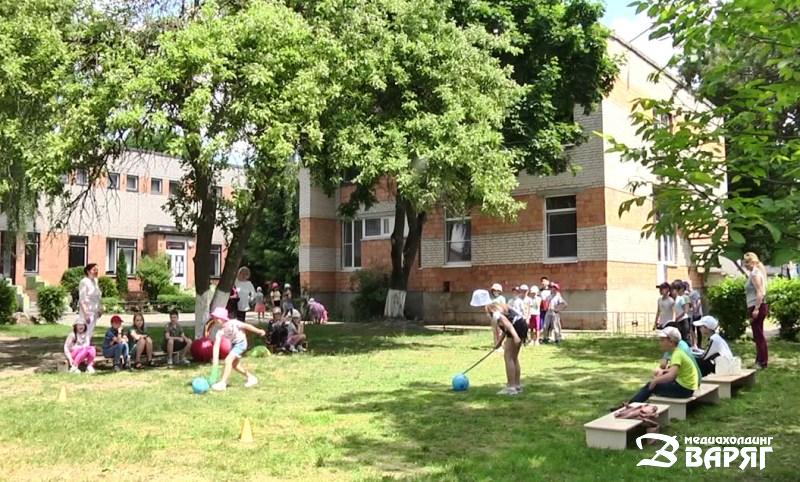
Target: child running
(78, 348)
(233, 330)
(513, 330)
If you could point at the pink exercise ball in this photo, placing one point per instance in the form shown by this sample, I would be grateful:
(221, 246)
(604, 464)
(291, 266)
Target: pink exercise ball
(203, 349)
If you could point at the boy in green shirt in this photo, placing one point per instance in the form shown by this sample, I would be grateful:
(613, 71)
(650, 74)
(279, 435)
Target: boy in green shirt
(679, 379)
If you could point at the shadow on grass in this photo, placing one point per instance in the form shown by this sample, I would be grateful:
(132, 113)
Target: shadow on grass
(358, 338)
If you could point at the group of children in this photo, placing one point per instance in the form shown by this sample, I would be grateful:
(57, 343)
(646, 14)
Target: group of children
(679, 306)
(540, 307)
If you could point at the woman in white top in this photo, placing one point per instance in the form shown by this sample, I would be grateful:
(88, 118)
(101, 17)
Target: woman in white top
(246, 292)
(89, 295)
(757, 308)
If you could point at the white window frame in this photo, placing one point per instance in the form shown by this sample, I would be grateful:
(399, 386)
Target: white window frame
(113, 181)
(387, 226)
(352, 224)
(216, 268)
(547, 212)
(111, 263)
(160, 185)
(668, 249)
(81, 177)
(457, 219)
(75, 244)
(32, 239)
(128, 179)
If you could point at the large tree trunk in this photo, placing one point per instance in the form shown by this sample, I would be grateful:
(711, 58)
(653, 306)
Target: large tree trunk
(202, 256)
(404, 255)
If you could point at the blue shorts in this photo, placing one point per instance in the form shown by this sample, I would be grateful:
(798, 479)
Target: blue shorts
(238, 349)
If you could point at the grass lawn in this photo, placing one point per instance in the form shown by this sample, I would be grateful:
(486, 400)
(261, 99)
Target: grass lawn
(370, 403)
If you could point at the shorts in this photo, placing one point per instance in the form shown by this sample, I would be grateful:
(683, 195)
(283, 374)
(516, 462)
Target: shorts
(535, 323)
(238, 349)
(521, 328)
(177, 345)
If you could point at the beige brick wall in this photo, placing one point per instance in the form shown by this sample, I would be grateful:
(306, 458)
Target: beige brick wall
(313, 201)
(315, 258)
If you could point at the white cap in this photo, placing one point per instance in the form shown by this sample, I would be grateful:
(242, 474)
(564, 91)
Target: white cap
(295, 314)
(708, 321)
(480, 298)
(524, 288)
(497, 287)
(670, 332)
(287, 285)
(535, 289)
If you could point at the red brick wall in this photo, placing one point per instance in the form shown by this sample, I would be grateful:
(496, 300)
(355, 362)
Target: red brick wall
(319, 232)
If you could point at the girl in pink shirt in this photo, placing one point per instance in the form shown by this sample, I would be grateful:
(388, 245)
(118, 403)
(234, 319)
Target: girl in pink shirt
(233, 330)
(78, 347)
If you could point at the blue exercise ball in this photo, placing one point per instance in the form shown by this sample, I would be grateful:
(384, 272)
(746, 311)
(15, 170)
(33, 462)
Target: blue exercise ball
(200, 385)
(460, 382)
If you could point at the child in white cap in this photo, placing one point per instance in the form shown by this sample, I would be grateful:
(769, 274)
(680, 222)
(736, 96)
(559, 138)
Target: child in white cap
(717, 346)
(679, 379)
(535, 321)
(496, 295)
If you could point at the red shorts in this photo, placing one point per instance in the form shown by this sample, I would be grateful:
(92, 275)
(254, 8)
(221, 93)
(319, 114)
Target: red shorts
(535, 323)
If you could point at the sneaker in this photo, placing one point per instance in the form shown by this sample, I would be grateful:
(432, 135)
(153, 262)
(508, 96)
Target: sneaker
(251, 381)
(169, 363)
(293, 349)
(183, 361)
(219, 387)
(74, 369)
(90, 369)
(508, 391)
(301, 349)
(518, 388)
(117, 368)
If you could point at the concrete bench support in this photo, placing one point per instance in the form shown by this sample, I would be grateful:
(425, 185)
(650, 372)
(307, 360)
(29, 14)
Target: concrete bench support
(706, 393)
(609, 432)
(727, 383)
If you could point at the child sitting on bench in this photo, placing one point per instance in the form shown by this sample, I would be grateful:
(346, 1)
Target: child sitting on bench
(717, 346)
(680, 379)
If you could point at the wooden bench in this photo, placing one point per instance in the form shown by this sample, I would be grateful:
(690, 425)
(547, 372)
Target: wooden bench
(610, 432)
(705, 393)
(727, 383)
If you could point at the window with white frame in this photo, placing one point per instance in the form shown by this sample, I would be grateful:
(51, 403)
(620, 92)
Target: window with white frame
(458, 240)
(113, 180)
(155, 186)
(216, 260)
(120, 247)
(667, 248)
(81, 177)
(663, 120)
(378, 227)
(562, 227)
(351, 243)
(78, 250)
(132, 183)
(32, 253)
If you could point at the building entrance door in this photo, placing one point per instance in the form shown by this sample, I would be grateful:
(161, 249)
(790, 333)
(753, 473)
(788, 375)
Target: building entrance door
(176, 252)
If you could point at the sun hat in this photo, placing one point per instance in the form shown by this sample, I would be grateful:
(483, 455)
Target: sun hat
(220, 313)
(116, 319)
(670, 332)
(535, 289)
(524, 288)
(480, 298)
(496, 287)
(295, 314)
(663, 285)
(708, 321)
(79, 320)
(287, 285)
(275, 285)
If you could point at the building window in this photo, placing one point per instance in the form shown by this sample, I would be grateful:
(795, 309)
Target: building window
(155, 186)
(113, 180)
(218, 192)
(378, 227)
(667, 249)
(132, 183)
(81, 177)
(351, 243)
(562, 227)
(458, 240)
(32, 253)
(78, 250)
(663, 120)
(174, 188)
(216, 260)
(117, 247)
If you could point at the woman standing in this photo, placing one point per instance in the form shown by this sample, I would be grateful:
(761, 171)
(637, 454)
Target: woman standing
(757, 308)
(246, 292)
(89, 295)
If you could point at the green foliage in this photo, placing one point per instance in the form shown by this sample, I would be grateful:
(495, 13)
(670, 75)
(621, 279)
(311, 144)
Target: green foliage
(184, 303)
(729, 306)
(155, 274)
(112, 304)
(741, 57)
(51, 301)
(72, 278)
(122, 275)
(372, 286)
(108, 286)
(783, 297)
(8, 301)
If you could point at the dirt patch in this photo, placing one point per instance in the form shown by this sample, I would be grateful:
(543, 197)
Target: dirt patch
(27, 355)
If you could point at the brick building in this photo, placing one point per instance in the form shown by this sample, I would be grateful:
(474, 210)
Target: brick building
(125, 217)
(569, 231)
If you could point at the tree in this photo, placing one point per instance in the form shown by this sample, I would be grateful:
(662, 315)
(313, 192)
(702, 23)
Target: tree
(155, 275)
(451, 111)
(741, 60)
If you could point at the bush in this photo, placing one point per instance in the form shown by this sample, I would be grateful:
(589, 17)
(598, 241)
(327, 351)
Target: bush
(108, 286)
(122, 275)
(182, 302)
(70, 280)
(783, 297)
(51, 302)
(155, 274)
(371, 298)
(8, 301)
(112, 304)
(729, 306)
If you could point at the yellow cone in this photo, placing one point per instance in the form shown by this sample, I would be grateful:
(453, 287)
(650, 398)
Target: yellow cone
(62, 395)
(247, 432)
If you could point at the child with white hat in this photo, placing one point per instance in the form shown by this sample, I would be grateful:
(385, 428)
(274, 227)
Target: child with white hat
(717, 346)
